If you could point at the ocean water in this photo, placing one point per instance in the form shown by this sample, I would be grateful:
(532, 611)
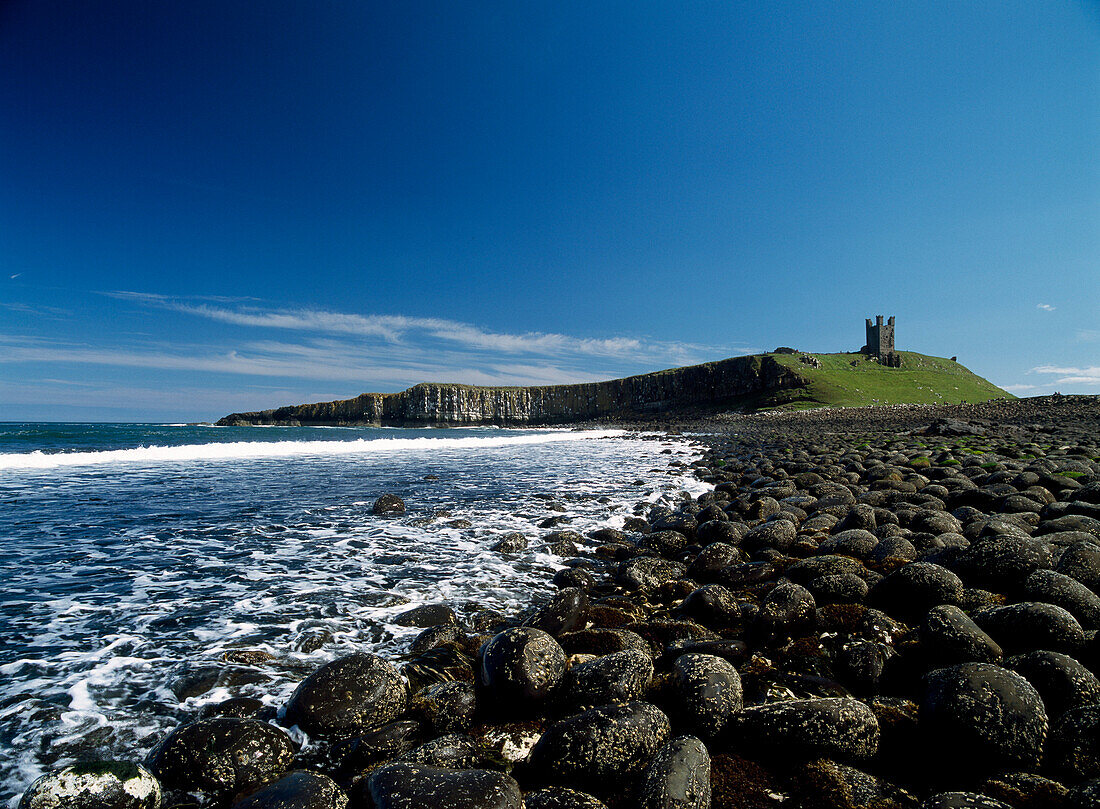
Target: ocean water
(138, 561)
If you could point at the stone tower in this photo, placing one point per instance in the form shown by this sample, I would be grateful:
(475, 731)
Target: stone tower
(880, 341)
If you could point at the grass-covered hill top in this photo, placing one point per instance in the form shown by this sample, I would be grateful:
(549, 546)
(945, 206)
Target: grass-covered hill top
(854, 380)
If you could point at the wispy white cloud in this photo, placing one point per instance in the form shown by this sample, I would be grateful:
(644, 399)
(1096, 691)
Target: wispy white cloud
(13, 277)
(1070, 375)
(1046, 307)
(1018, 388)
(1088, 335)
(397, 328)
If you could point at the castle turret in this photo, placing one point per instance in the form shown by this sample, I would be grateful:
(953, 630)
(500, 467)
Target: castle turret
(880, 341)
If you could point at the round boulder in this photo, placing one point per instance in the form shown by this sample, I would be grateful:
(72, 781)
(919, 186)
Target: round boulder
(985, 715)
(415, 786)
(1061, 681)
(1032, 625)
(833, 727)
(647, 573)
(910, 591)
(521, 664)
(601, 749)
(388, 504)
(678, 777)
(347, 697)
(297, 790)
(1066, 592)
(948, 637)
(619, 677)
(561, 798)
(95, 785)
(706, 692)
(222, 756)
(1073, 749)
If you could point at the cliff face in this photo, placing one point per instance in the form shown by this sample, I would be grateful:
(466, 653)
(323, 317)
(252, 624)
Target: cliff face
(711, 385)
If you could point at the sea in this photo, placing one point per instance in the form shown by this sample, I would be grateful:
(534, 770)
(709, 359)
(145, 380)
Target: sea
(147, 570)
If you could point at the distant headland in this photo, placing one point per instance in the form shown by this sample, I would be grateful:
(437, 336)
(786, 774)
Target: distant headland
(783, 379)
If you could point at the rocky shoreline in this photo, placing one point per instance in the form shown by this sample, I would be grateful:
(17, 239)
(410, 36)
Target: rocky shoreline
(874, 607)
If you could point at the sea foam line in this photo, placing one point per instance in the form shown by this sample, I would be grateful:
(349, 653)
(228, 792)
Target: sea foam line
(281, 449)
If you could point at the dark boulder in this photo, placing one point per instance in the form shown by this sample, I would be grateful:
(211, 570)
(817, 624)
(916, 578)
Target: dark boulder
(510, 543)
(713, 605)
(1002, 561)
(297, 790)
(948, 637)
(678, 777)
(561, 798)
(984, 716)
(405, 785)
(601, 749)
(714, 558)
(435, 636)
(346, 697)
(387, 742)
(619, 677)
(521, 664)
(426, 615)
(910, 591)
(565, 612)
(833, 727)
(1081, 561)
(705, 693)
(574, 577)
(854, 542)
(665, 543)
(95, 785)
(1062, 682)
(388, 504)
(1067, 593)
(788, 610)
(1073, 750)
(648, 573)
(222, 756)
(455, 751)
(963, 800)
(778, 535)
(1031, 625)
(446, 707)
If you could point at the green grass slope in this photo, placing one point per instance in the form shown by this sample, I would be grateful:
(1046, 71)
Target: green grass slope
(853, 380)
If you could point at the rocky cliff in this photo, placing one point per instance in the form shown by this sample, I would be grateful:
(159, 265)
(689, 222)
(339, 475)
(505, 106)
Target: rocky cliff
(712, 385)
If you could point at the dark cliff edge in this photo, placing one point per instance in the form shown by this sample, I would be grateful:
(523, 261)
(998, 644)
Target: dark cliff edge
(724, 384)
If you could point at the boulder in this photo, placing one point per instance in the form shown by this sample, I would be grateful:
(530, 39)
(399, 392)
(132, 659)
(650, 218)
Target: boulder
(1031, 625)
(678, 777)
(618, 677)
(297, 790)
(647, 573)
(910, 591)
(601, 749)
(404, 785)
(521, 665)
(1061, 681)
(985, 716)
(1067, 593)
(561, 798)
(347, 697)
(948, 637)
(388, 504)
(446, 707)
(510, 543)
(565, 612)
(95, 785)
(834, 727)
(962, 800)
(705, 693)
(1073, 749)
(221, 756)
(426, 615)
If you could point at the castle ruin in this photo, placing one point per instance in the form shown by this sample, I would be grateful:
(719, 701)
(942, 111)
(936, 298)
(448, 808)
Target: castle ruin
(880, 342)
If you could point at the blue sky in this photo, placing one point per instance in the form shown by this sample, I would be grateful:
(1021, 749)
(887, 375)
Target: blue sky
(208, 207)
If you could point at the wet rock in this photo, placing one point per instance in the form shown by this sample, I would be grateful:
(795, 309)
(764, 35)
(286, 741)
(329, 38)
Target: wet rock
(713, 605)
(601, 749)
(733, 651)
(854, 542)
(346, 697)
(1073, 749)
(561, 798)
(827, 784)
(962, 800)
(387, 742)
(619, 677)
(565, 612)
(910, 591)
(665, 543)
(860, 664)
(833, 727)
(240, 707)
(714, 558)
(297, 790)
(1002, 562)
(948, 637)
(439, 665)
(446, 707)
(388, 504)
(723, 531)
(1084, 796)
(788, 610)
(222, 756)
(417, 786)
(1025, 790)
(603, 642)
(510, 543)
(778, 535)
(1081, 561)
(574, 577)
(705, 693)
(840, 588)
(426, 615)
(95, 785)
(984, 716)
(1031, 625)
(522, 665)
(454, 751)
(1061, 681)
(435, 636)
(678, 777)
(1067, 593)
(648, 573)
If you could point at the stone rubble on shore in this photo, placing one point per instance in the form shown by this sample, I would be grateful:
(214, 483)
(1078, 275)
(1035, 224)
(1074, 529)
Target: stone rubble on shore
(871, 609)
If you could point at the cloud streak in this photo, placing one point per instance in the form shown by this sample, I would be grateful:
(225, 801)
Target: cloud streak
(1046, 307)
(1071, 375)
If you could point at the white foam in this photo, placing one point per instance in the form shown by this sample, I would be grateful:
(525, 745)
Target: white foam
(283, 449)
